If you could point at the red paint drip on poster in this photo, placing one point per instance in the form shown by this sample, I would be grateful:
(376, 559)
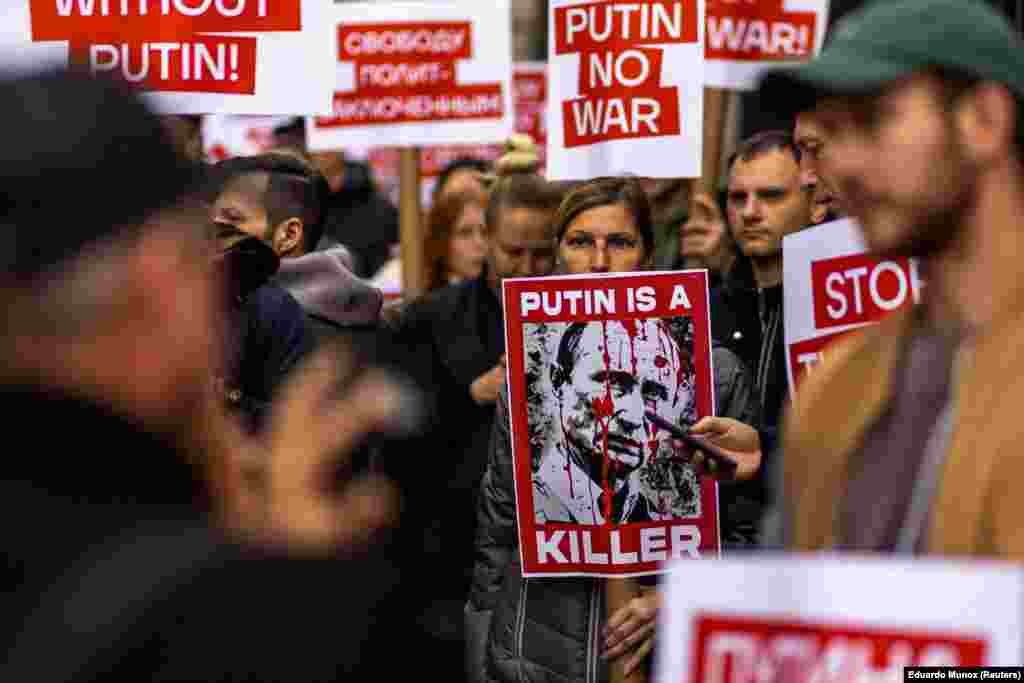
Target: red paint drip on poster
(566, 440)
(605, 418)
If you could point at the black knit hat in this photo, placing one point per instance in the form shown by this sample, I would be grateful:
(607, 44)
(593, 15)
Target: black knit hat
(80, 159)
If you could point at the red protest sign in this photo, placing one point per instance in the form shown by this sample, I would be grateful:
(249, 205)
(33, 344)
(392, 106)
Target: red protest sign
(745, 37)
(731, 649)
(405, 73)
(861, 288)
(600, 490)
(402, 81)
(835, 618)
(158, 46)
(626, 88)
(530, 90)
(619, 81)
(196, 56)
(805, 355)
(831, 286)
(758, 30)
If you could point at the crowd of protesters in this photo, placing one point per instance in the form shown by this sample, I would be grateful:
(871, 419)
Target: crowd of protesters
(240, 464)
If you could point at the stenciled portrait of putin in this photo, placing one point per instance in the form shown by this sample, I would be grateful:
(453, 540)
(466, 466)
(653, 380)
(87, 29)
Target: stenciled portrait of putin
(595, 458)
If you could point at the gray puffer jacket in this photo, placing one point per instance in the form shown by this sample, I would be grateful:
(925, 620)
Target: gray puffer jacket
(548, 630)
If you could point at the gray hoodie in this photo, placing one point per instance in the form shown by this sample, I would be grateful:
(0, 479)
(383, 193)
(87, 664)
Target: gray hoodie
(323, 283)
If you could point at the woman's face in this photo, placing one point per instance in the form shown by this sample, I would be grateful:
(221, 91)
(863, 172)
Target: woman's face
(604, 239)
(467, 247)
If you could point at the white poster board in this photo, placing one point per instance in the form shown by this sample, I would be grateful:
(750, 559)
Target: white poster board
(226, 135)
(626, 88)
(832, 286)
(747, 37)
(409, 74)
(187, 56)
(817, 619)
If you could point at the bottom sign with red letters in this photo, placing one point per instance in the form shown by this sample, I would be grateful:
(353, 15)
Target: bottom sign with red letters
(803, 619)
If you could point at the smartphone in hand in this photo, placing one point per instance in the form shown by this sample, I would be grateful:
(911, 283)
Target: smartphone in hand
(723, 464)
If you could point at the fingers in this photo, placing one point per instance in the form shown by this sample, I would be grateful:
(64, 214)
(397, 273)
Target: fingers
(639, 632)
(630, 625)
(638, 657)
(710, 426)
(315, 524)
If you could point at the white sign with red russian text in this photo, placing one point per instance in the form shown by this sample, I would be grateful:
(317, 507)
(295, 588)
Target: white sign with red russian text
(419, 74)
(226, 136)
(626, 88)
(747, 37)
(187, 56)
(815, 619)
(832, 286)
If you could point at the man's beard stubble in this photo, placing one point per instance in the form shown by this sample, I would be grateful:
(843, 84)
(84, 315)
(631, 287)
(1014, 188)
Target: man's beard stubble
(934, 228)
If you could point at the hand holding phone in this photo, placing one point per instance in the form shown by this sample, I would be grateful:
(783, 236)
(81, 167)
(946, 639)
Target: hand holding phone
(717, 462)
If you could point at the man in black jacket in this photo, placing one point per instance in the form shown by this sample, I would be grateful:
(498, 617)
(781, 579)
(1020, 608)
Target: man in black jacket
(357, 216)
(130, 550)
(765, 202)
(458, 333)
(260, 209)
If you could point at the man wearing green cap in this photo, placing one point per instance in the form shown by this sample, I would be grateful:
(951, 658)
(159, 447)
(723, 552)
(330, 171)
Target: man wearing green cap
(907, 439)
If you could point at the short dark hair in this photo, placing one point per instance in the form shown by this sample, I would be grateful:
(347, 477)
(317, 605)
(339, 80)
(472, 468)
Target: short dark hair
(294, 189)
(521, 191)
(608, 191)
(761, 143)
(456, 165)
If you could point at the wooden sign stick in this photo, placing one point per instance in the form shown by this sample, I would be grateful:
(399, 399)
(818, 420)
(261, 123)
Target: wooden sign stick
(410, 224)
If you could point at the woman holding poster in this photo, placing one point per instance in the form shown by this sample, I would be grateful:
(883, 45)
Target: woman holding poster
(556, 628)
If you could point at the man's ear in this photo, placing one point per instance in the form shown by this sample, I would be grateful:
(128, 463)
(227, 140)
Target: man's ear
(986, 122)
(288, 237)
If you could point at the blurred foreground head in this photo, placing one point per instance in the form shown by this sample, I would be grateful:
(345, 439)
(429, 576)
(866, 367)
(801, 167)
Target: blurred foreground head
(920, 105)
(103, 280)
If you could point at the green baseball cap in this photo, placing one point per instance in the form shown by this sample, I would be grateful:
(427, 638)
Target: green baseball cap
(889, 39)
